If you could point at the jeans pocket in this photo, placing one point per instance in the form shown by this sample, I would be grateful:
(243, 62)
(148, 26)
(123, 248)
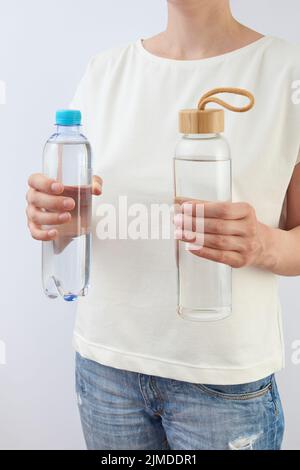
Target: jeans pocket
(238, 392)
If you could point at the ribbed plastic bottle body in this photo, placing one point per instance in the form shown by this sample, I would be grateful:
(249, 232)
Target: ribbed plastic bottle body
(202, 171)
(66, 259)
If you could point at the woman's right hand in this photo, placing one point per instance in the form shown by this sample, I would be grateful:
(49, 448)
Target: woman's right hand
(47, 206)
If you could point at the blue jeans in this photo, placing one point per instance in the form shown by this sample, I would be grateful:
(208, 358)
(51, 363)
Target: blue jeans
(122, 410)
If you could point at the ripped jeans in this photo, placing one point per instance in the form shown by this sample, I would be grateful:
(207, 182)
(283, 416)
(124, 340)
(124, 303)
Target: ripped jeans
(122, 410)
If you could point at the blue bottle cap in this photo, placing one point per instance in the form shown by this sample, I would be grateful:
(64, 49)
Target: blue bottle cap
(68, 117)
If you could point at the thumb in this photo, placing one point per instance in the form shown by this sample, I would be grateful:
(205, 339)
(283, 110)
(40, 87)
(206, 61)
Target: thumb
(97, 185)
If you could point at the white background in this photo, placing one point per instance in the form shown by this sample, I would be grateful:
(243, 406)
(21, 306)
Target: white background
(44, 48)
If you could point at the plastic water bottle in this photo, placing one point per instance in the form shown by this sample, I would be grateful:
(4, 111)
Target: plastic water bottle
(66, 259)
(202, 172)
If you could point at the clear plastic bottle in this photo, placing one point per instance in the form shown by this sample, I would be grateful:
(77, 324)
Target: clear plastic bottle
(66, 259)
(202, 171)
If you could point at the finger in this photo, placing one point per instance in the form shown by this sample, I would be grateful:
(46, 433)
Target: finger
(211, 225)
(97, 185)
(231, 258)
(224, 227)
(182, 200)
(191, 208)
(40, 217)
(38, 234)
(187, 222)
(223, 242)
(220, 210)
(40, 182)
(49, 202)
(189, 236)
(226, 210)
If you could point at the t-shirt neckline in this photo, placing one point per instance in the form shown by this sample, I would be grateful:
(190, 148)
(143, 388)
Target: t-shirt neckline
(209, 60)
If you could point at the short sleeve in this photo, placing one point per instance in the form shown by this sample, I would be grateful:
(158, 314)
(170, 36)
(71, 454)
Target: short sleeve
(298, 158)
(283, 215)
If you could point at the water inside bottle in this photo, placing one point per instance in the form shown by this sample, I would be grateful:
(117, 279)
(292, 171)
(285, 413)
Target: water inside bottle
(204, 286)
(66, 260)
(80, 217)
(60, 269)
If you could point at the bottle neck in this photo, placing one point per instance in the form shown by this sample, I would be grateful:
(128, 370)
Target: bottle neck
(69, 130)
(201, 136)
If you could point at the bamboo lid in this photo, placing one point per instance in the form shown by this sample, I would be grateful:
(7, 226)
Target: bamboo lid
(211, 121)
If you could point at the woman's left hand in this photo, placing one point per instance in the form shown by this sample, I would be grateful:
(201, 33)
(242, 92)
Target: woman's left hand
(225, 232)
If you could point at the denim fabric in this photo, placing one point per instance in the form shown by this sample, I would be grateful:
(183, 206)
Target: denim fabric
(122, 410)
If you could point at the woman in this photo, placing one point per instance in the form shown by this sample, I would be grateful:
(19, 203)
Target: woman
(146, 379)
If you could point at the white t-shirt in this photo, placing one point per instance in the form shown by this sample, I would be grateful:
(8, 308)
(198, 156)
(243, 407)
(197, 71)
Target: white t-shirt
(130, 100)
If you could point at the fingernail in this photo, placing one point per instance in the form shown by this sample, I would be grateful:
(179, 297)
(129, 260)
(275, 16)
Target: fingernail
(198, 208)
(193, 247)
(68, 203)
(56, 187)
(98, 188)
(64, 217)
(52, 233)
(187, 208)
(178, 219)
(178, 234)
(175, 209)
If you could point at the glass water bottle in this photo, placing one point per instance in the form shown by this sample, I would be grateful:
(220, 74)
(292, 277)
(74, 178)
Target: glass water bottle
(202, 172)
